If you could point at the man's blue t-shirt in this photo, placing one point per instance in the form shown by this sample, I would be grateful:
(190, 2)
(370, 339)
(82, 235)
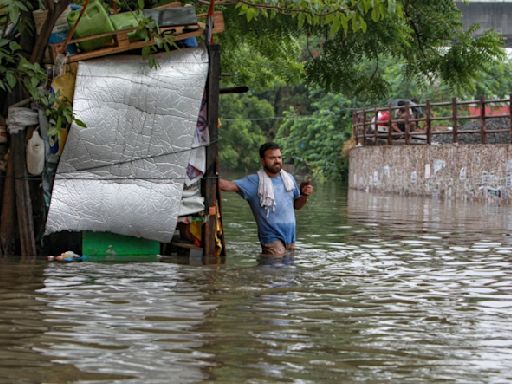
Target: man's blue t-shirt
(277, 223)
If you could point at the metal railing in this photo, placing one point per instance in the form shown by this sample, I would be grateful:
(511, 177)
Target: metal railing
(427, 123)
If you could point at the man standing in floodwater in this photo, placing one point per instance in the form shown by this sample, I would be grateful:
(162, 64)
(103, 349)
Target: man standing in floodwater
(272, 194)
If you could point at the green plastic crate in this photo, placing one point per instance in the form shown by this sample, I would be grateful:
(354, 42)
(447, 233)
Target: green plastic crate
(107, 246)
(128, 20)
(94, 21)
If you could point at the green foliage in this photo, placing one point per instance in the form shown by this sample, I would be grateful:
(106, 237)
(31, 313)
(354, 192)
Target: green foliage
(315, 142)
(335, 15)
(427, 37)
(243, 122)
(14, 67)
(260, 55)
(16, 70)
(11, 12)
(493, 80)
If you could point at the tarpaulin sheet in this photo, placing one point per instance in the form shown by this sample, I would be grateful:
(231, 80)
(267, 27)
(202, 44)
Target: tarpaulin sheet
(124, 172)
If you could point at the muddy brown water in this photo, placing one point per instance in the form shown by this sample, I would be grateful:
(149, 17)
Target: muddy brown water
(383, 289)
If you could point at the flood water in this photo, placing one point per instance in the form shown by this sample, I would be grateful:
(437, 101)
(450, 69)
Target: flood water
(383, 289)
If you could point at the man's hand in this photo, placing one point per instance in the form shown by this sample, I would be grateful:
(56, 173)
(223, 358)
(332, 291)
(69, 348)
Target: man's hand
(228, 186)
(306, 188)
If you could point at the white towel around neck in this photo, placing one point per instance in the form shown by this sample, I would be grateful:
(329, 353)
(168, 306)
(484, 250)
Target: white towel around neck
(266, 189)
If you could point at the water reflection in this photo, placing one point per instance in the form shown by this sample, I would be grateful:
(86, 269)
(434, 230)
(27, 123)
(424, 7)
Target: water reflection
(110, 323)
(381, 289)
(385, 289)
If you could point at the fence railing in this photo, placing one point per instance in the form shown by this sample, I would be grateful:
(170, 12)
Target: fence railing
(445, 122)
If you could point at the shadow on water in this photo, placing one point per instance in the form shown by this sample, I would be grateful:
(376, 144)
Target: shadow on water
(381, 289)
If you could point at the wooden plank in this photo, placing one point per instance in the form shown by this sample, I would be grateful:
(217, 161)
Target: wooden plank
(175, 4)
(122, 39)
(210, 177)
(121, 45)
(132, 45)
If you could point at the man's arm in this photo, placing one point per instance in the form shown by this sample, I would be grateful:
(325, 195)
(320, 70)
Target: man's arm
(306, 189)
(228, 186)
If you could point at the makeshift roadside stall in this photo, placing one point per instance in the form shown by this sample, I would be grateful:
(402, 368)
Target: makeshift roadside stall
(137, 159)
(124, 172)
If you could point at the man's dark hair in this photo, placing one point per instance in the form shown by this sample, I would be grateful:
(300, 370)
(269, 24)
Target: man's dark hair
(265, 147)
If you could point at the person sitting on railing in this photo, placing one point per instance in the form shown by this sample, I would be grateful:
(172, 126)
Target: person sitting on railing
(382, 122)
(404, 113)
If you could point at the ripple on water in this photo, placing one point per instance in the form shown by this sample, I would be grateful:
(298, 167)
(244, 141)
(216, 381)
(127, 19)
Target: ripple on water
(381, 289)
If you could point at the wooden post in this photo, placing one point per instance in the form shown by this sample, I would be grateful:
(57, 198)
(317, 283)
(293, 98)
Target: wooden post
(428, 108)
(354, 128)
(483, 133)
(219, 209)
(454, 120)
(376, 133)
(364, 126)
(23, 202)
(18, 119)
(390, 125)
(210, 180)
(407, 124)
(510, 114)
(8, 218)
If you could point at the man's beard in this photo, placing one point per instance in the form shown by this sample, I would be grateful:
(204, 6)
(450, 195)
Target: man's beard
(276, 168)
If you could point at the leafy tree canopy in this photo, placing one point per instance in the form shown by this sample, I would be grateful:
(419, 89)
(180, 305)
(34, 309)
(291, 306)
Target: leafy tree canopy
(349, 42)
(314, 142)
(244, 121)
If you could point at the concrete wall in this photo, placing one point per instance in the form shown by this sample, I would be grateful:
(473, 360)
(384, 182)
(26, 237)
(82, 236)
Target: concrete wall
(474, 172)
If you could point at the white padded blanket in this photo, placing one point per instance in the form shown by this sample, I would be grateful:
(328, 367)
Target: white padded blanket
(124, 172)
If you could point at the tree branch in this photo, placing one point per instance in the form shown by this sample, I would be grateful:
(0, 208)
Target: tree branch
(42, 39)
(287, 10)
(49, 5)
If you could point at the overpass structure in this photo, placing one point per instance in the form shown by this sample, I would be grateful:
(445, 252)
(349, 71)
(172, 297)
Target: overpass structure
(489, 14)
